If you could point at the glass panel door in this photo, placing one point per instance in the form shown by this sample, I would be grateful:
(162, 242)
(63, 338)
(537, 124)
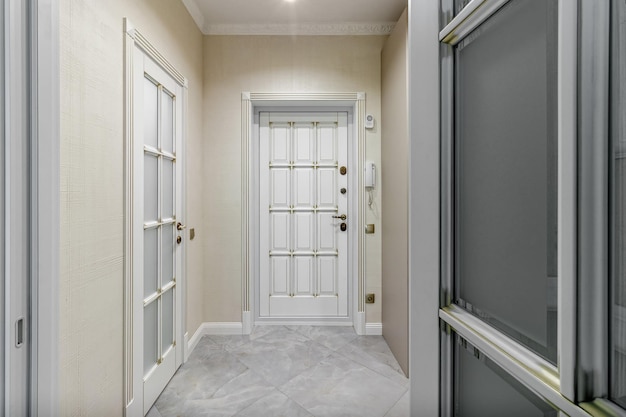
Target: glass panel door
(159, 223)
(505, 151)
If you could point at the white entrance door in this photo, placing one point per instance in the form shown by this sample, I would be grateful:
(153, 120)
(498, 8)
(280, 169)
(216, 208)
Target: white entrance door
(157, 206)
(303, 215)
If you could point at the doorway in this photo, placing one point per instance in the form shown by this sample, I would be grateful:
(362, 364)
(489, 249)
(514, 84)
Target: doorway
(303, 189)
(352, 104)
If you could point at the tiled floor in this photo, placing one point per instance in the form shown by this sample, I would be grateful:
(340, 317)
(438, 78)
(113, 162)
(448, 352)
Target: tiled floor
(291, 371)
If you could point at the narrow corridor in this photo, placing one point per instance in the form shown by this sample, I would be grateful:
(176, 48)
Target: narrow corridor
(291, 371)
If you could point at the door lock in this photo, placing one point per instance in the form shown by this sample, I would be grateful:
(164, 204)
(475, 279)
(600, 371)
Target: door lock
(342, 217)
(343, 191)
(179, 240)
(343, 227)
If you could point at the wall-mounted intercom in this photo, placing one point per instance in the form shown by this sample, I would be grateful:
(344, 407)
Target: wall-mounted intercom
(369, 121)
(370, 175)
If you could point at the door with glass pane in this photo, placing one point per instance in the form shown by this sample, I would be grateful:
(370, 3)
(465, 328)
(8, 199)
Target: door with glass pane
(157, 229)
(303, 215)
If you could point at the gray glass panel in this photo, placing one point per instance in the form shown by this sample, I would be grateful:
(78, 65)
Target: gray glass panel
(168, 254)
(168, 320)
(505, 173)
(150, 261)
(167, 122)
(151, 187)
(167, 193)
(150, 334)
(483, 389)
(150, 113)
(618, 134)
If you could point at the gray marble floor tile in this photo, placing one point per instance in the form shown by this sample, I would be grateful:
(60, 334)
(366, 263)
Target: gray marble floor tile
(373, 352)
(281, 355)
(333, 337)
(231, 398)
(339, 387)
(275, 404)
(401, 409)
(153, 413)
(197, 380)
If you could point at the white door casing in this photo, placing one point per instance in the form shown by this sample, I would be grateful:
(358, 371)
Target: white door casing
(303, 250)
(157, 206)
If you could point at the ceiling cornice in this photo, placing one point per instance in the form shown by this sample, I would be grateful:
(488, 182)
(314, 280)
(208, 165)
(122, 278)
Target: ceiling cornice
(195, 13)
(310, 29)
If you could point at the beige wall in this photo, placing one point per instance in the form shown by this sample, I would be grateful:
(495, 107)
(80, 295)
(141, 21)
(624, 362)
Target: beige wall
(395, 151)
(92, 210)
(233, 64)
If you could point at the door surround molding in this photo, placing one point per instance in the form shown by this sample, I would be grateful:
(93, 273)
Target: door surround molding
(133, 377)
(250, 223)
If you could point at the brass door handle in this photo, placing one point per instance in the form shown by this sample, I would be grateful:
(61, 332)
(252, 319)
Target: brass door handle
(342, 217)
(180, 226)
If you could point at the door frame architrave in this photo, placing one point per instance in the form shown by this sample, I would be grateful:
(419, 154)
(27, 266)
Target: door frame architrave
(251, 104)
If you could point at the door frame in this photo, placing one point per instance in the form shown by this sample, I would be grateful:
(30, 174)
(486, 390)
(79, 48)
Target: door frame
(251, 105)
(133, 358)
(44, 118)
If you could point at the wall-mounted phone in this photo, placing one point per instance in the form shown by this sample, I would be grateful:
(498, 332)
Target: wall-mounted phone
(370, 175)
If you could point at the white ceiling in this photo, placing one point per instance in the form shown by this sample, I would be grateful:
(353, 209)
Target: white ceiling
(334, 17)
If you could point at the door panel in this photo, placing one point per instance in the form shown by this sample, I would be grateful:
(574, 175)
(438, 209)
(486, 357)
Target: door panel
(303, 249)
(157, 207)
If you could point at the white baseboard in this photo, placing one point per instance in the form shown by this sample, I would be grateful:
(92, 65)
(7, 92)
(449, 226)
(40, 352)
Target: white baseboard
(359, 323)
(246, 322)
(208, 329)
(186, 347)
(374, 329)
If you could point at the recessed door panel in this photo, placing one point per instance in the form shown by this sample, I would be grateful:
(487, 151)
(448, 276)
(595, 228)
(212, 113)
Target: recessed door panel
(327, 188)
(280, 275)
(304, 143)
(303, 275)
(303, 188)
(280, 143)
(280, 227)
(280, 187)
(303, 254)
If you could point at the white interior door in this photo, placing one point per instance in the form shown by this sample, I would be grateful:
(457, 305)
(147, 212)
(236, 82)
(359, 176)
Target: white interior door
(157, 228)
(303, 247)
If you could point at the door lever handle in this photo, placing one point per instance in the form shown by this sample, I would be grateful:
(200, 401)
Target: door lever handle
(342, 217)
(180, 226)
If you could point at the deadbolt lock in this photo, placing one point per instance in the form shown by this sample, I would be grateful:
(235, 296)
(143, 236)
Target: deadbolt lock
(179, 240)
(343, 227)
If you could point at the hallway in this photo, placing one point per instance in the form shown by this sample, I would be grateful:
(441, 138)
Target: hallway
(294, 371)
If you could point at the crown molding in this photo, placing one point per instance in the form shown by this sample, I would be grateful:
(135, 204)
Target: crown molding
(195, 12)
(304, 29)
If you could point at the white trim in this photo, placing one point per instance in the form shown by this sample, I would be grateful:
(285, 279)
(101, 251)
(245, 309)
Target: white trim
(567, 115)
(46, 210)
(301, 29)
(247, 322)
(195, 12)
(211, 329)
(249, 101)
(374, 329)
(511, 357)
(359, 323)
